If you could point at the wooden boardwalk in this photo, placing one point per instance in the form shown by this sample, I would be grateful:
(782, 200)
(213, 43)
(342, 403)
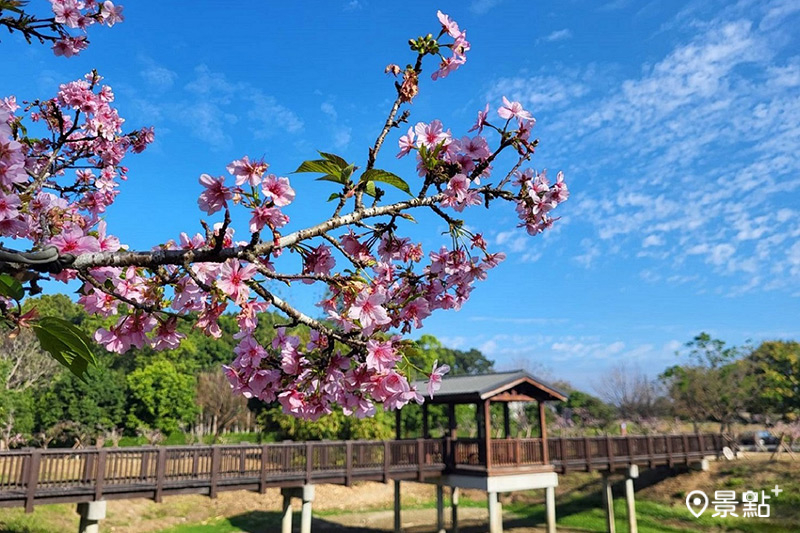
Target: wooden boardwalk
(42, 476)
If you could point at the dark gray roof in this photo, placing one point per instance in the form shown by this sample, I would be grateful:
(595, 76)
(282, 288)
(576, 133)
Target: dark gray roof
(481, 387)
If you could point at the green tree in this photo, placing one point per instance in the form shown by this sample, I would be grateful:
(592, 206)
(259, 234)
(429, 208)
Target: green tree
(160, 397)
(776, 367)
(92, 407)
(716, 384)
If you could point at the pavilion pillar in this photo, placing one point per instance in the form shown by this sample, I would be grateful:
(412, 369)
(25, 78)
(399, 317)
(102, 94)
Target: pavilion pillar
(630, 498)
(452, 424)
(286, 517)
(506, 421)
(481, 425)
(495, 513)
(550, 508)
(454, 496)
(543, 431)
(440, 508)
(398, 425)
(307, 496)
(397, 521)
(608, 504)
(91, 514)
(487, 433)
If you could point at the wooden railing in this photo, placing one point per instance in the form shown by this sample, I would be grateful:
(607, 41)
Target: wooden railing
(29, 477)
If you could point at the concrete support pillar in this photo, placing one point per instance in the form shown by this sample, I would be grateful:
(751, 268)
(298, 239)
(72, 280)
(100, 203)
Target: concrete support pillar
(440, 509)
(550, 508)
(305, 515)
(495, 513)
(91, 514)
(397, 522)
(286, 518)
(608, 504)
(454, 495)
(633, 473)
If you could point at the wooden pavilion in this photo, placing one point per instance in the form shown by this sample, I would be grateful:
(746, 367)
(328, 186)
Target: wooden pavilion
(491, 464)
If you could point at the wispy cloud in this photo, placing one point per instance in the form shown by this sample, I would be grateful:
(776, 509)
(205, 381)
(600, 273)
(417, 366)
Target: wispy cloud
(480, 7)
(692, 162)
(559, 35)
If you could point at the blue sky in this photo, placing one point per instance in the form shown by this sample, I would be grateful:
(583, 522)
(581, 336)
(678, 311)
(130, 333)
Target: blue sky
(677, 125)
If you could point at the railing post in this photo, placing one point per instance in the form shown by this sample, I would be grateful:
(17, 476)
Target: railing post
(88, 466)
(215, 460)
(101, 474)
(144, 468)
(161, 471)
(610, 452)
(563, 443)
(387, 459)
(629, 446)
(686, 448)
(309, 462)
(518, 450)
(670, 461)
(32, 479)
(420, 458)
(262, 484)
(195, 462)
(348, 475)
(650, 451)
(587, 451)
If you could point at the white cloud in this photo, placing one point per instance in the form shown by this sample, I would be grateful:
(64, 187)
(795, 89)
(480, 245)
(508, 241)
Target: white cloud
(480, 7)
(653, 240)
(696, 157)
(158, 77)
(211, 106)
(559, 35)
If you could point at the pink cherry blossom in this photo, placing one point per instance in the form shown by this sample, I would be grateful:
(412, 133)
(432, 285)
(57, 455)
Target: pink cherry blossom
(513, 109)
(381, 356)
(435, 377)
(431, 135)
(74, 242)
(368, 310)
(247, 171)
(267, 216)
(111, 14)
(70, 46)
(278, 189)
(9, 206)
(216, 195)
(232, 279)
(167, 337)
(448, 25)
(406, 143)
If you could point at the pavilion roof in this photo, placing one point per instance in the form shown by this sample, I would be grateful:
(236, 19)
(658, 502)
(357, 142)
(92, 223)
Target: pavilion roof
(514, 385)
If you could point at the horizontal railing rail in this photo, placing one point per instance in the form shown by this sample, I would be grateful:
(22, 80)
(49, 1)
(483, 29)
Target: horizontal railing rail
(31, 476)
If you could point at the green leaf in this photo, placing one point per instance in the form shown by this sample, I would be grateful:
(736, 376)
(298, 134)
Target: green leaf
(384, 176)
(328, 177)
(334, 196)
(335, 159)
(320, 166)
(11, 288)
(371, 189)
(66, 343)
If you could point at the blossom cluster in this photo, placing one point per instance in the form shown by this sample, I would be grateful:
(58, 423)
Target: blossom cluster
(79, 15)
(378, 284)
(82, 130)
(459, 47)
